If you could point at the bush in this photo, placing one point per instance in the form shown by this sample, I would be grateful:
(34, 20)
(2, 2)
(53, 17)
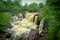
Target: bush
(4, 20)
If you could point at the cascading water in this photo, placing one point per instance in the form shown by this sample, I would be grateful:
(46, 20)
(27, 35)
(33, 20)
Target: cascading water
(41, 25)
(22, 26)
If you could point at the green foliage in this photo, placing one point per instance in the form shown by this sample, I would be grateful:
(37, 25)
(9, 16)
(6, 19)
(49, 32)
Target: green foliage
(48, 13)
(24, 8)
(41, 5)
(9, 6)
(58, 35)
(33, 7)
(4, 20)
(2, 6)
(53, 17)
(14, 7)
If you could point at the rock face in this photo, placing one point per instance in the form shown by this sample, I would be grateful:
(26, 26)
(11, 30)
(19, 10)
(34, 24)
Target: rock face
(34, 35)
(4, 35)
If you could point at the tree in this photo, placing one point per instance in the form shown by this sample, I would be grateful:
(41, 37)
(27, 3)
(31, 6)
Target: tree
(24, 8)
(33, 7)
(9, 6)
(14, 7)
(2, 5)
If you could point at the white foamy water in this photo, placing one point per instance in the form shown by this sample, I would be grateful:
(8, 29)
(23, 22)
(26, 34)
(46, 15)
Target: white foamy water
(23, 26)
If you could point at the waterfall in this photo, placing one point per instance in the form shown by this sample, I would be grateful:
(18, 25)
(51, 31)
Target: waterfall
(22, 26)
(41, 25)
(29, 16)
(35, 21)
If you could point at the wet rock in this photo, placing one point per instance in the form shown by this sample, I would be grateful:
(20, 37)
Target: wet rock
(34, 35)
